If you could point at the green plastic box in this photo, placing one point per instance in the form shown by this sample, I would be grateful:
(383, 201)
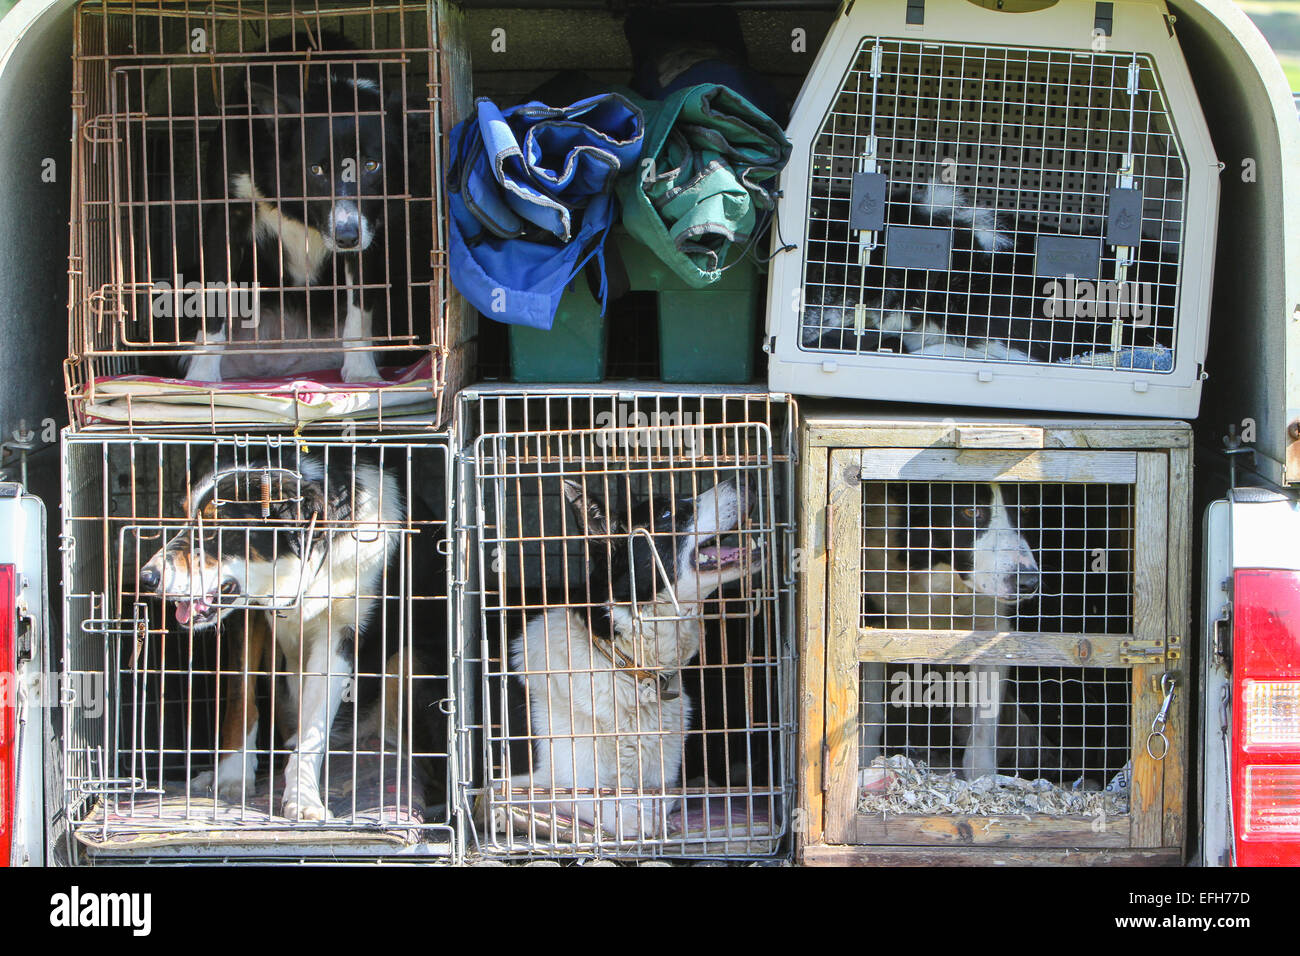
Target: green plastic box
(705, 335)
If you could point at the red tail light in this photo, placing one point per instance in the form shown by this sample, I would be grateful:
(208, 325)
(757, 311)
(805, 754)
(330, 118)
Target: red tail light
(1266, 717)
(8, 707)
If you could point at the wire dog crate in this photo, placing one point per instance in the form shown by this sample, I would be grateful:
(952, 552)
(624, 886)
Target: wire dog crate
(258, 232)
(625, 599)
(991, 626)
(1027, 226)
(256, 635)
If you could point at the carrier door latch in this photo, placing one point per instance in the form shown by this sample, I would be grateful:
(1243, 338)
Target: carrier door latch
(1135, 651)
(1157, 742)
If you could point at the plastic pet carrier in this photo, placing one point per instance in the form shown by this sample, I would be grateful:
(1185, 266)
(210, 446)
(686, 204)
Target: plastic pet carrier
(973, 222)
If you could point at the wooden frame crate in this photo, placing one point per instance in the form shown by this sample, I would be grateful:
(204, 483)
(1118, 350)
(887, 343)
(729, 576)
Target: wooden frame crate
(1145, 466)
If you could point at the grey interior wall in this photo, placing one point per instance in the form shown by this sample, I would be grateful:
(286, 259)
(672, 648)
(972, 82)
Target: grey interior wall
(35, 101)
(1247, 355)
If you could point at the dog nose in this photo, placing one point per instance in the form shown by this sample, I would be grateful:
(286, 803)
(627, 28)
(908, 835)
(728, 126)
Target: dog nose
(1027, 582)
(347, 233)
(149, 579)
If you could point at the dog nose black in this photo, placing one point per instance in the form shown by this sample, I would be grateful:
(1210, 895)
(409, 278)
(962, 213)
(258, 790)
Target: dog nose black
(346, 234)
(1027, 583)
(149, 579)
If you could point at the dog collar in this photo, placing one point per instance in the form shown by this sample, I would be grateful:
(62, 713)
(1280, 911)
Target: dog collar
(670, 687)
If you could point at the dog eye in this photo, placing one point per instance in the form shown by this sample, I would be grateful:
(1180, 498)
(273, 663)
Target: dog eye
(371, 166)
(971, 513)
(317, 169)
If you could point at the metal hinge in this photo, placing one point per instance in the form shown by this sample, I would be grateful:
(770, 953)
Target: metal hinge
(1174, 648)
(826, 529)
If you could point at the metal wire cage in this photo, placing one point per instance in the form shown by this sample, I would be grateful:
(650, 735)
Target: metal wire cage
(1002, 652)
(626, 612)
(991, 216)
(256, 640)
(200, 127)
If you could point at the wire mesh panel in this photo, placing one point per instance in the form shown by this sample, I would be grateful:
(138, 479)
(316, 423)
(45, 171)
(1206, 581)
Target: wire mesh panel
(999, 663)
(260, 629)
(970, 203)
(629, 597)
(1027, 557)
(257, 200)
(1065, 551)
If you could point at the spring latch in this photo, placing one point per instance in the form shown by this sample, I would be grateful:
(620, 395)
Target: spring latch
(1167, 684)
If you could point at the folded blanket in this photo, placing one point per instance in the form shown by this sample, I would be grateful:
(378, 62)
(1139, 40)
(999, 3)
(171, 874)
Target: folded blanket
(706, 181)
(1154, 358)
(530, 196)
(146, 399)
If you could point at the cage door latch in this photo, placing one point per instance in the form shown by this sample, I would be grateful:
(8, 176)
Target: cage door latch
(1134, 651)
(1156, 740)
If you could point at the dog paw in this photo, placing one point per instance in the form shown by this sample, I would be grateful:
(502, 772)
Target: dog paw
(204, 368)
(228, 788)
(303, 806)
(360, 367)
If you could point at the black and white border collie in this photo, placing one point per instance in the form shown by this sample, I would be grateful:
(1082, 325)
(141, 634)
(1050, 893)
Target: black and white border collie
(605, 700)
(303, 167)
(988, 305)
(951, 558)
(311, 561)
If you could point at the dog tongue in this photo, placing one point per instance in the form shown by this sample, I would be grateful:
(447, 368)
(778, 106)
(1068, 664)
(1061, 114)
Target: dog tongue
(185, 609)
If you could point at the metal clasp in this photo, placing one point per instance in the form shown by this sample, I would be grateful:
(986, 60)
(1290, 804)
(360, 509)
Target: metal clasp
(658, 566)
(1167, 684)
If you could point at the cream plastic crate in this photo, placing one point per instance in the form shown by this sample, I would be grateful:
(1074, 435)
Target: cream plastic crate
(947, 172)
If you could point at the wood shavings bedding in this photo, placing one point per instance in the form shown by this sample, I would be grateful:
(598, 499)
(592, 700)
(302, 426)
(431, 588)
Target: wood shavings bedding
(899, 785)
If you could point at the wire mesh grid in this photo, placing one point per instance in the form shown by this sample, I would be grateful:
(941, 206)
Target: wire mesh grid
(1025, 556)
(257, 631)
(631, 586)
(1056, 740)
(1025, 159)
(255, 194)
(1029, 557)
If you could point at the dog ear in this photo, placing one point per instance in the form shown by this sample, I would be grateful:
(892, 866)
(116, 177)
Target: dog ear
(265, 99)
(591, 519)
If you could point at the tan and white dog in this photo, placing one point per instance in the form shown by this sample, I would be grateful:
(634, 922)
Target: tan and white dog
(606, 705)
(304, 553)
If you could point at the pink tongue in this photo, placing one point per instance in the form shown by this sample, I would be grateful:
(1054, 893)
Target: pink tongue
(186, 609)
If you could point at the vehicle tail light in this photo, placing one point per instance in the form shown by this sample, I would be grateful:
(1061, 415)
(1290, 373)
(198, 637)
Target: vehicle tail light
(8, 708)
(1266, 724)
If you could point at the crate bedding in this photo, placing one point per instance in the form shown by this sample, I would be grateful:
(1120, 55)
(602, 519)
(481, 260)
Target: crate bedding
(288, 400)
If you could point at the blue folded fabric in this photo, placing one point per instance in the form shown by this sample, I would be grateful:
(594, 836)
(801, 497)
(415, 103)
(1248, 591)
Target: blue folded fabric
(531, 200)
(1154, 358)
